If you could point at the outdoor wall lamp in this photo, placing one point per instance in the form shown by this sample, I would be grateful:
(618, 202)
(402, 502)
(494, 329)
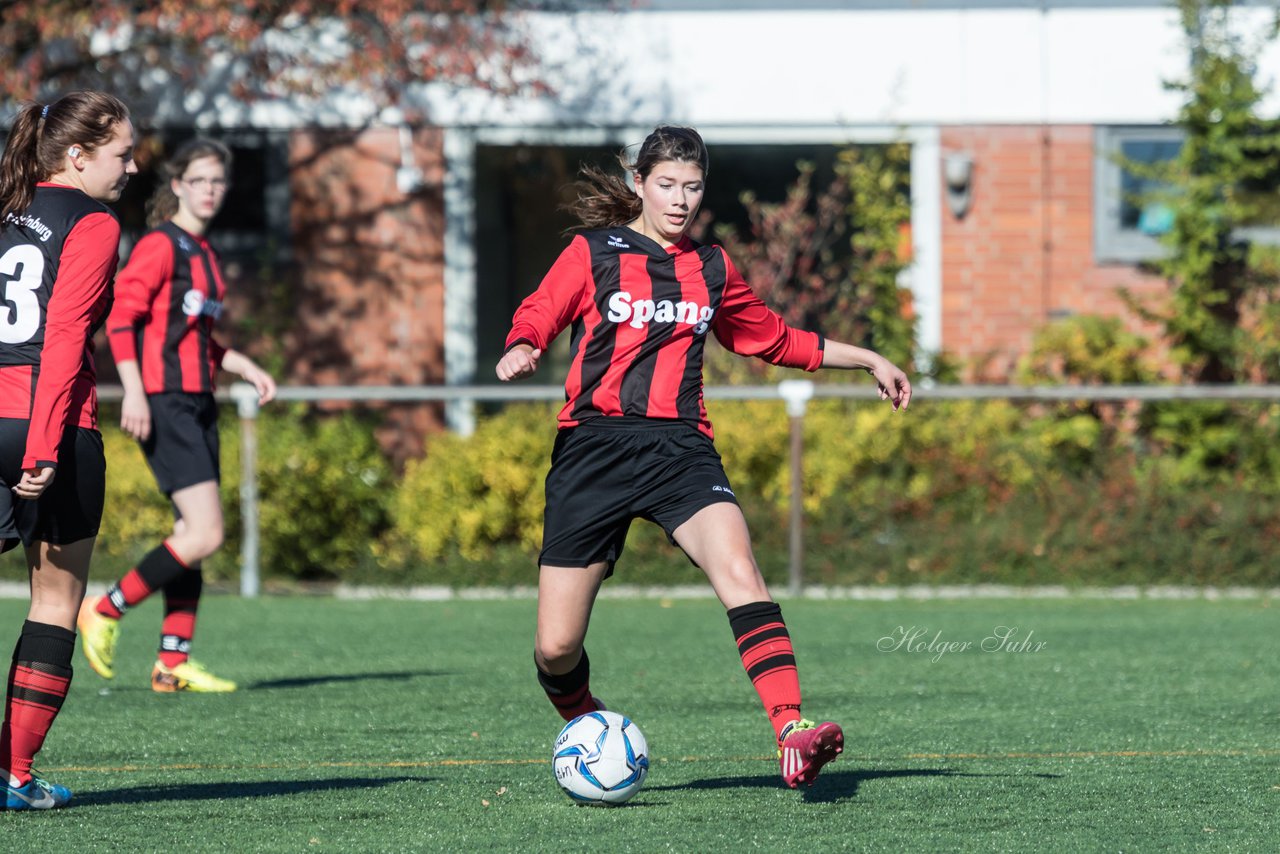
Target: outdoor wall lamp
(957, 174)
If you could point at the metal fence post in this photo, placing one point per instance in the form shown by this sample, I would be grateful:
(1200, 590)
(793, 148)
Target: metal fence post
(246, 398)
(797, 394)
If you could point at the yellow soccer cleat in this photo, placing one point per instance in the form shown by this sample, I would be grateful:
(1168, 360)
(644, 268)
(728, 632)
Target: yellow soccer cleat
(190, 675)
(98, 636)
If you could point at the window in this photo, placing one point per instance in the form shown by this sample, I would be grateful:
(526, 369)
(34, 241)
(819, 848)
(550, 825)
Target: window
(1126, 223)
(253, 226)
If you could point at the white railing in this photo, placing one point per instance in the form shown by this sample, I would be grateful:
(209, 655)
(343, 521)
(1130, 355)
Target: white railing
(794, 393)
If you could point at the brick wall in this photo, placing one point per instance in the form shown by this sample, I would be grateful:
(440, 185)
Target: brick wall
(370, 269)
(1024, 253)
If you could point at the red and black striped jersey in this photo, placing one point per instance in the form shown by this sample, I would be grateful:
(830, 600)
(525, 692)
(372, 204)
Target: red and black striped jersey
(640, 315)
(167, 298)
(57, 258)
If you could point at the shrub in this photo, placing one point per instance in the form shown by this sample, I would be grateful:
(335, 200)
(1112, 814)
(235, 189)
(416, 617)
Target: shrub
(135, 515)
(1086, 348)
(471, 494)
(478, 501)
(947, 492)
(323, 490)
(950, 492)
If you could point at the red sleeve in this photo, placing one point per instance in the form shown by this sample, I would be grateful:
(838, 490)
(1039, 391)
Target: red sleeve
(87, 264)
(748, 327)
(150, 266)
(546, 312)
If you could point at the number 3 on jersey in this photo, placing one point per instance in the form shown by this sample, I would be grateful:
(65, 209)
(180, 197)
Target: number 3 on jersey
(21, 272)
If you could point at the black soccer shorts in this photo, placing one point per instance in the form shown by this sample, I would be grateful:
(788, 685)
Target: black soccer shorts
(182, 449)
(608, 471)
(70, 509)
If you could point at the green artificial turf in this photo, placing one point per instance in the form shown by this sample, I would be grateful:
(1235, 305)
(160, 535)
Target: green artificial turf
(387, 726)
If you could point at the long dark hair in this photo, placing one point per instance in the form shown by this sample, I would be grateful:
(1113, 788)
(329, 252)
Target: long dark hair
(605, 199)
(41, 135)
(163, 204)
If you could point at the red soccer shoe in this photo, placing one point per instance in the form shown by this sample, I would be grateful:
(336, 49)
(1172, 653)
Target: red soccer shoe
(806, 748)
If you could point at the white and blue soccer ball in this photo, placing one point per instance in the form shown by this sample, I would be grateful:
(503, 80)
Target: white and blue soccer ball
(600, 758)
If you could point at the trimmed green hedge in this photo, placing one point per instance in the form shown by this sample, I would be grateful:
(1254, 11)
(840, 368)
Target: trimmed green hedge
(947, 492)
(323, 485)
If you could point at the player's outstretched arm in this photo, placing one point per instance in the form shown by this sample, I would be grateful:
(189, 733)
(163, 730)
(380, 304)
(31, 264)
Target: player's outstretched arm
(891, 381)
(518, 362)
(238, 363)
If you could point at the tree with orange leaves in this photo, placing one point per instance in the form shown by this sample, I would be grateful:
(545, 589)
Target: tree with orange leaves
(263, 50)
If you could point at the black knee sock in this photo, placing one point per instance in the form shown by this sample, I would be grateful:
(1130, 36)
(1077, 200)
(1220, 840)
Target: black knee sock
(159, 567)
(38, 683)
(764, 644)
(181, 601)
(570, 692)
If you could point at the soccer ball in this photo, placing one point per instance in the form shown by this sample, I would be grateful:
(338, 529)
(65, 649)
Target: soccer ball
(600, 758)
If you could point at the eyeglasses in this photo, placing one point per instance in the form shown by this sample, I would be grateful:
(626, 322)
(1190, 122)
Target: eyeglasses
(218, 184)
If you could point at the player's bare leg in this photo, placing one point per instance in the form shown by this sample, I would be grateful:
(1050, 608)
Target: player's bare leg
(58, 576)
(197, 534)
(716, 538)
(565, 598)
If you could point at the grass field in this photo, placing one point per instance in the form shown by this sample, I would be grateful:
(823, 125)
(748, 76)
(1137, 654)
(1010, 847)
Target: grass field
(383, 726)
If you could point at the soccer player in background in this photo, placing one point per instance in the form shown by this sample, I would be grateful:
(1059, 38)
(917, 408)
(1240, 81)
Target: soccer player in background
(58, 252)
(634, 438)
(161, 334)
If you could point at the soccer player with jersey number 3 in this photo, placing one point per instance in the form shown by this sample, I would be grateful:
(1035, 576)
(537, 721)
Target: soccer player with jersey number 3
(634, 438)
(58, 251)
(161, 333)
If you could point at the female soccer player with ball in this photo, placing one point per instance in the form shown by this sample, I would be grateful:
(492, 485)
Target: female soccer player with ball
(634, 438)
(58, 251)
(161, 334)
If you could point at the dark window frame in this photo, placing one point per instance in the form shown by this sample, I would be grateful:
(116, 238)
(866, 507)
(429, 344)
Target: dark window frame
(267, 239)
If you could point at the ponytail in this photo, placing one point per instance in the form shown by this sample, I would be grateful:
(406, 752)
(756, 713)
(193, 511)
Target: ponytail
(606, 200)
(42, 134)
(20, 165)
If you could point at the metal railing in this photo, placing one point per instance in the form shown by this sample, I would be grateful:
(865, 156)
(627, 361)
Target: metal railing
(796, 394)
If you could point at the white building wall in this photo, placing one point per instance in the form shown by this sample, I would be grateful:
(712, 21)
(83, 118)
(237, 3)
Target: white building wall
(842, 68)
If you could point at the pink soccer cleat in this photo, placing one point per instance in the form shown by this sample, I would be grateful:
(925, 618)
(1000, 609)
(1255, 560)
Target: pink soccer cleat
(806, 747)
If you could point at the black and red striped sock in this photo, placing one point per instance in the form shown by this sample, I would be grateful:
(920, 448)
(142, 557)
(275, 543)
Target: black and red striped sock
(38, 683)
(153, 572)
(570, 692)
(181, 599)
(765, 647)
